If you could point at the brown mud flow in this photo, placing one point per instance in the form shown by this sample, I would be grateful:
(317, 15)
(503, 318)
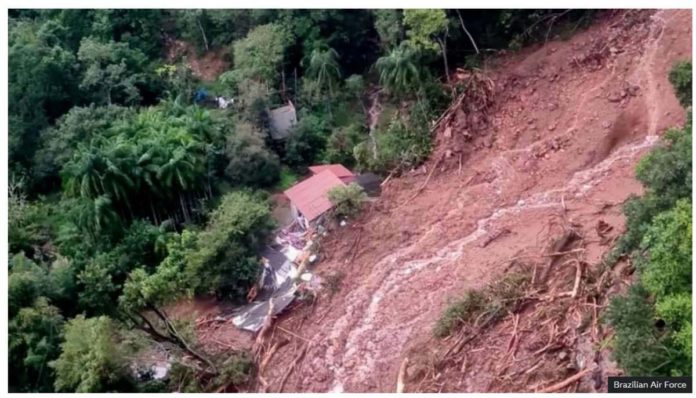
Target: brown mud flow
(569, 122)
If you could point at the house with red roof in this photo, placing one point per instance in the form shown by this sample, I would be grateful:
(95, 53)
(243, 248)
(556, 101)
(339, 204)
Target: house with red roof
(309, 199)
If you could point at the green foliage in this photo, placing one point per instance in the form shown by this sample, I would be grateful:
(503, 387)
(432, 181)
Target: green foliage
(307, 141)
(236, 370)
(42, 85)
(250, 163)
(259, 56)
(354, 86)
(667, 175)
(140, 29)
(178, 80)
(29, 222)
(225, 261)
(402, 145)
(81, 124)
(399, 71)
(157, 160)
(424, 26)
(659, 238)
(26, 283)
(347, 200)
(478, 308)
(681, 78)
(217, 27)
(91, 359)
(287, 179)
(340, 144)
(112, 71)
(324, 70)
(667, 267)
(388, 24)
(462, 310)
(118, 182)
(34, 340)
(638, 347)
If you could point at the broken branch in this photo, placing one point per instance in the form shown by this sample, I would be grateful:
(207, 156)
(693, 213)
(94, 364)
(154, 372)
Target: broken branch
(566, 382)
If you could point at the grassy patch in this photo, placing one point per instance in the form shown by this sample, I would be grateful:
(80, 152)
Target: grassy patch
(481, 307)
(288, 178)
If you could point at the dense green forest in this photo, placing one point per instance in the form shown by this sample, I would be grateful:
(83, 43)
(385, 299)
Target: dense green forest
(126, 195)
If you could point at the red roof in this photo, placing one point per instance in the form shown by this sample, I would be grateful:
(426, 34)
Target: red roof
(338, 169)
(310, 196)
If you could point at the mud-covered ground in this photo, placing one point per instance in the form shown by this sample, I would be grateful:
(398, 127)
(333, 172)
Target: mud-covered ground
(570, 121)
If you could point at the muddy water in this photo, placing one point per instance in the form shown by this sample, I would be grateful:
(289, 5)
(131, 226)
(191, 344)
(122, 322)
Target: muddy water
(362, 348)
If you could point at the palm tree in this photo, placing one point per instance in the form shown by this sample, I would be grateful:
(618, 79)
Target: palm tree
(399, 71)
(324, 69)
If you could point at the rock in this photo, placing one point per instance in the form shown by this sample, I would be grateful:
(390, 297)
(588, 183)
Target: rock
(614, 97)
(606, 124)
(552, 127)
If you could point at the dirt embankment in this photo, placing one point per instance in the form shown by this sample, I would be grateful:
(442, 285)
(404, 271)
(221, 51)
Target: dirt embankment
(207, 66)
(570, 121)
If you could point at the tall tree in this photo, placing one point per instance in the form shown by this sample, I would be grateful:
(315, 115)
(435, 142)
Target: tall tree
(112, 71)
(389, 25)
(91, 358)
(399, 71)
(259, 56)
(323, 68)
(428, 30)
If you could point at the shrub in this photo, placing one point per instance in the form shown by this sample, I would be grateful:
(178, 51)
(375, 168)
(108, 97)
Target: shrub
(91, 359)
(347, 200)
(667, 267)
(287, 179)
(224, 258)
(667, 175)
(339, 148)
(250, 163)
(307, 141)
(680, 76)
(659, 229)
(481, 307)
(638, 348)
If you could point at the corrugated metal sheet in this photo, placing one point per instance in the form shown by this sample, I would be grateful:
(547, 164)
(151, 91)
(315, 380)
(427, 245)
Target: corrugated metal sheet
(338, 169)
(310, 196)
(282, 121)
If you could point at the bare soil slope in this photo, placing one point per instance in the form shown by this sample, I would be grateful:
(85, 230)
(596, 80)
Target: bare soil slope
(571, 120)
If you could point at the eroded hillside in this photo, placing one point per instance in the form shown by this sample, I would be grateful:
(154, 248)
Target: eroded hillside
(569, 122)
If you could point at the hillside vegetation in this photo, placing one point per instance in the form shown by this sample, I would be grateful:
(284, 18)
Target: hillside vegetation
(127, 195)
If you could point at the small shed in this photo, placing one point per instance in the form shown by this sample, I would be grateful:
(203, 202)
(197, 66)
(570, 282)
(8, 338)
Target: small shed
(282, 121)
(309, 198)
